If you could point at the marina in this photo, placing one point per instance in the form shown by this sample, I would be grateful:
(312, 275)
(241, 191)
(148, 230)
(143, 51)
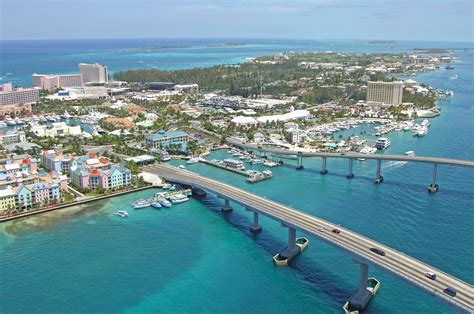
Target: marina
(164, 199)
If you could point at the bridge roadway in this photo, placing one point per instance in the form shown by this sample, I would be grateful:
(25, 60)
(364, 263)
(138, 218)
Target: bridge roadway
(355, 244)
(281, 151)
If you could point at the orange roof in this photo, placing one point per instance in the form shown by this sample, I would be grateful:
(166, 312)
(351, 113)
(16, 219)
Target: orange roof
(91, 155)
(26, 160)
(95, 172)
(103, 160)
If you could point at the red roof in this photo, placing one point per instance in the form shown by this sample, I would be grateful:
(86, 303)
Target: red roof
(95, 172)
(104, 160)
(26, 160)
(91, 155)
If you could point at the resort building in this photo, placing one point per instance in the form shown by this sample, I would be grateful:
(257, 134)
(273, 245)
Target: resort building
(170, 140)
(12, 137)
(385, 92)
(7, 200)
(85, 177)
(56, 129)
(93, 73)
(52, 81)
(17, 102)
(56, 162)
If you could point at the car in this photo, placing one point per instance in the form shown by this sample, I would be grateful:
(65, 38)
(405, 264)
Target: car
(377, 251)
(431, 275)
(450, 291)
(335, 230)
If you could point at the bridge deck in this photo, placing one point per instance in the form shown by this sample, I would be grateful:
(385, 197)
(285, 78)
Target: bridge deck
(280, 151)
(357, 245)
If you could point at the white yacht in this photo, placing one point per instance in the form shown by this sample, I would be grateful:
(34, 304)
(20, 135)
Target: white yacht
(367, 150)
(267, 172)
(382, 143)
(122, 213)
(182, 167)
(167, 186)
(141, 204)
(179, 198)
(425, 123)
(156, 204)
(410, 153)
(422, 131)
(192, 161)
(164, 202)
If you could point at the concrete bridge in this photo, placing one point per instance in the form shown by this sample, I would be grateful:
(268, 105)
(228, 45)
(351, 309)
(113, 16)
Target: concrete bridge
(435, 161)
(356, 245)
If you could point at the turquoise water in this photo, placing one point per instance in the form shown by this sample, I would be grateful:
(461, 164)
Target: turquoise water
(191, 258)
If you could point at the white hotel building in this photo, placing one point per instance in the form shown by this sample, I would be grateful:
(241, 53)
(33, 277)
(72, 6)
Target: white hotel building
(93, 73)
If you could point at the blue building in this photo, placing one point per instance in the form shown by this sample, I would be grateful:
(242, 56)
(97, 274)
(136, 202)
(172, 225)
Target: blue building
(171, 140)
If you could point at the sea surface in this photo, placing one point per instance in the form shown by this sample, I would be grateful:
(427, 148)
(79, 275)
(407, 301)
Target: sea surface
(191, 258)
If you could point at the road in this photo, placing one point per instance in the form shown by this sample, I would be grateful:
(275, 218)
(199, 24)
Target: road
(355, 244)
(281, 151)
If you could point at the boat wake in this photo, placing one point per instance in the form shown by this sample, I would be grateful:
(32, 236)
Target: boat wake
(393, 165)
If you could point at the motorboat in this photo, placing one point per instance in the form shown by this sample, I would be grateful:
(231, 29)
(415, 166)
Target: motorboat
(167, 186)
(141, 204)
(410, 153)
(382, 143)
(182, 167)
(156, 204)
(179, 198)
(425, 123)
(367, 150)
(173, 187)
(122, 213)
(422, 131)
(192, 161)
(164, 202)
(267, 172)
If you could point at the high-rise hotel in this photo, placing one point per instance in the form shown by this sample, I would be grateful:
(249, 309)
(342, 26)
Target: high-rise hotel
(93, 73)
(16, 102)
(385, 92)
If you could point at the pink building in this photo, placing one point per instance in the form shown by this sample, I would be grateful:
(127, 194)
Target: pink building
(52, 81)
(6, 87)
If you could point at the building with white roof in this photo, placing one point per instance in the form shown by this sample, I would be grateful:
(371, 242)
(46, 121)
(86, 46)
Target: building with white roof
(244, 121)
(292, 115)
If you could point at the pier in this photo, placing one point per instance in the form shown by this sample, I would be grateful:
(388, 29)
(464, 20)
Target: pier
(357, 246)
(251, 178)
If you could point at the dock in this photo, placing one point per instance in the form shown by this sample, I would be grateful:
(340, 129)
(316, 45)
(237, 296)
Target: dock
(237, 171)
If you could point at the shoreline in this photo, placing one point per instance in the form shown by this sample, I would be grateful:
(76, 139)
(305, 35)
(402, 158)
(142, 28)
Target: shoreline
(75, 203)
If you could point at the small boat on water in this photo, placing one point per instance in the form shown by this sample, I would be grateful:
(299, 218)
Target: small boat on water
(410, 153)
(422, 131)
(192, 161)
(179, 198)
(156, 205)
(182, 167)
(141, 204)
(367, 150)
(122, 213)
(267, 172)
(164, 202)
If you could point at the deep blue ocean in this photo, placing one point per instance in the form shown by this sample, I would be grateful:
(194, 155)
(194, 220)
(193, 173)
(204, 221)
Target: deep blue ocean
(191, 258)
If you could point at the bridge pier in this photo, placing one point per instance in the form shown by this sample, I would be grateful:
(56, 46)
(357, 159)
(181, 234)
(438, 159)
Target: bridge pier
(366, 289)
(255, 228)
(378, 175)
(350, 175)
(226, 208)
(294, 247)
(324, 169)
(433, 186)
(299, 162)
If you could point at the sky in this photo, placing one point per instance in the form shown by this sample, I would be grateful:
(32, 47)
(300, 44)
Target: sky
(430, 20)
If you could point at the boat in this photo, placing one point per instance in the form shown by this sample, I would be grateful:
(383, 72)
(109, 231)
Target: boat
(164, 202)
(192, 161)
(182, 167)
(167, 186)
(179, 198)
(367, 150)
(422, 131)
(454, 77)
(267, 172)
(122, 213)
(382, 143)
(425, 123)
(269, 163)
(141, 204)
(156, 204)
(410, 153)
(172, 187)
(234, 164)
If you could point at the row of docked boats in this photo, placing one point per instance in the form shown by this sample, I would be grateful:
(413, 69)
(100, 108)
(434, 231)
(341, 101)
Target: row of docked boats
(250, 158)
(162, 199)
